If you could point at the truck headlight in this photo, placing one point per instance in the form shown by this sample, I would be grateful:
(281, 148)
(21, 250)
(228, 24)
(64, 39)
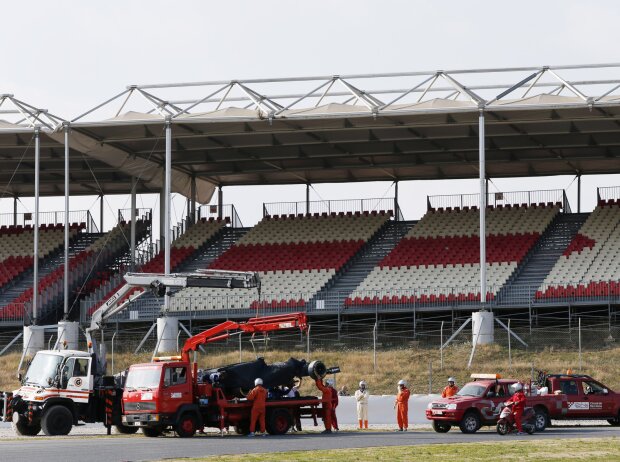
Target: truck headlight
(451, 406)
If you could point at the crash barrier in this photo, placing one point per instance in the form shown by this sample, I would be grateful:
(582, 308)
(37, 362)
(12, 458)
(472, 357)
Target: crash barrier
(381, 409)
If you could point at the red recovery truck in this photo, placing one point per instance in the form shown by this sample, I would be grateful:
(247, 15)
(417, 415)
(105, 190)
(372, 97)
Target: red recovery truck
(478, 403)
(552, 396)
(168, 395)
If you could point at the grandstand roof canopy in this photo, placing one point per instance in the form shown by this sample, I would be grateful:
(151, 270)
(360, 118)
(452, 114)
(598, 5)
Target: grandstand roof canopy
(88, 176)
(550, 120)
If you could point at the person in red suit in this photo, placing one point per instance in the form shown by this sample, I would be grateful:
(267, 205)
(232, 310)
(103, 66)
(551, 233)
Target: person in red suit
(518, 405)
(326, 402)
(258, 396)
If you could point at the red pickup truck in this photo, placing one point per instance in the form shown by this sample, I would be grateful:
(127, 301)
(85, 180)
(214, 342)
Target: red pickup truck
(566, 397)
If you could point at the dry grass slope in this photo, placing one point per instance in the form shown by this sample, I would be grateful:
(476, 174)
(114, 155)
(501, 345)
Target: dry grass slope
(411, 364)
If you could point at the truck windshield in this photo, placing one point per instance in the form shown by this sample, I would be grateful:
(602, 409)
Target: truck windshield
(472, 389)
(143, 377)
(42, 370)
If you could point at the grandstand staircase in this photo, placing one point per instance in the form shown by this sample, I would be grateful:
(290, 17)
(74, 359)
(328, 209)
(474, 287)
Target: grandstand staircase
(212, 249)
(47, 265)
(345, 282)
(521, 287)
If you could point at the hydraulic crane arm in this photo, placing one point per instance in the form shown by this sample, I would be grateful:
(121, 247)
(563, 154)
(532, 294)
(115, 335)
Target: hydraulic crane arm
(253, 325)
(158, 284)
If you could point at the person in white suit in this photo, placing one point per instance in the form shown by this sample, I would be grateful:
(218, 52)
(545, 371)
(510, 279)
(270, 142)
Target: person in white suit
(361, 397)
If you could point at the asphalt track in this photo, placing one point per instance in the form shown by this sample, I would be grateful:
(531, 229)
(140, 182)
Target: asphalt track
(137, 448)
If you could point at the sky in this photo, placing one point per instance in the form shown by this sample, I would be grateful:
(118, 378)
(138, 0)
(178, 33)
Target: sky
(68, 56)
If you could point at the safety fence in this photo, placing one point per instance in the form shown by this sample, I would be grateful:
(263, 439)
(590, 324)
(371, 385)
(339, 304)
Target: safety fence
(607, 193)
(496, 199)
(333, 206)
(27, 219)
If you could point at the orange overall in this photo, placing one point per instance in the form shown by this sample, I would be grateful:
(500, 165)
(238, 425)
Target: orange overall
(258, 396)
(334, 394)
(327, 403)
(402, 408)
(449, 391)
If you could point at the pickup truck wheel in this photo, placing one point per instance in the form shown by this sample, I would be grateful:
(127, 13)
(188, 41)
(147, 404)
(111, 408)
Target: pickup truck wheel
(187, 426)
(441, 427)
(615, 422)
(125, 430)
(22, 428)
(279, 421)
(470, 422)
(152, 432)
(541, 418)
(57, 421)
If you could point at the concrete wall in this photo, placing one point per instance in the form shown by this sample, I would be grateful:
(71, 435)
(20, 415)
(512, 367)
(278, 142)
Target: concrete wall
(381, 409)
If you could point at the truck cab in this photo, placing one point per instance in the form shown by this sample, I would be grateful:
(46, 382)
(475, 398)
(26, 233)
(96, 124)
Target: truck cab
(474, 405)
(158, 395)
(54, 395)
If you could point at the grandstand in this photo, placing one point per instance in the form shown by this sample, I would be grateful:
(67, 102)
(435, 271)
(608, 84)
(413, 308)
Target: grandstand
(329, 258)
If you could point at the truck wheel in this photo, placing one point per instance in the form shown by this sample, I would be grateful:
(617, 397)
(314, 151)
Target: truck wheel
(20, 426)
(57, 421)
(186, 426)
(540, 419)
(125, 430)
(615, 422)
(152, 432)
(279, 421)
(470, 422)
(441, 427)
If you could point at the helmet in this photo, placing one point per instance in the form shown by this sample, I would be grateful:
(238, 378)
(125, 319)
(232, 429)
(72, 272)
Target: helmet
(452, 379)
(214, 377)
(362, 384)
(402, 382)
(258, 382)
(517, 386)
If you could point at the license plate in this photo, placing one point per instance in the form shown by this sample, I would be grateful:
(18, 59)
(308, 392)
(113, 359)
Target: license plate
(437, 412)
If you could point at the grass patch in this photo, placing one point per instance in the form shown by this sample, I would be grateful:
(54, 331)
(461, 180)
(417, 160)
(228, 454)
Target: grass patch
(596, 449)
(411, 364)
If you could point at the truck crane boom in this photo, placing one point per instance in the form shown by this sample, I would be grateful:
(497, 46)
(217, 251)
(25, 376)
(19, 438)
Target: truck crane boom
(158, 284)
(252, 325)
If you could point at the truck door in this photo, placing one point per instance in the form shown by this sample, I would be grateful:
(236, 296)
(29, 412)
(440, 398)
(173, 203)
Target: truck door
(600, 402)
(578, 404)
(176, 388)
(76, 377)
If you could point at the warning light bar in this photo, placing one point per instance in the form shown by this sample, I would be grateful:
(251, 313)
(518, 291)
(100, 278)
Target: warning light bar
(166, 358)
(486, 376)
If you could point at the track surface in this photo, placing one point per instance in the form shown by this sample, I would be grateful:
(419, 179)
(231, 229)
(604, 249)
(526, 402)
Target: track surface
(96, 448)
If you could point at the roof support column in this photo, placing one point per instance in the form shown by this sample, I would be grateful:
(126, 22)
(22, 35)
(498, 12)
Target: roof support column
(192, 201)
(132, 226)
(35, 257)
(396, 209)
(308, 198)
(101, 213)
(168, 173)
(220, 202)
(483, 207)
(579, 193)
(66, 282)
(14, 210)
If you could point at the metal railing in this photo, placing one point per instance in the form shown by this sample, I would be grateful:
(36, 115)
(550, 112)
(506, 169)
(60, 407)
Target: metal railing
(333, 206)
(124, 215)
(49, 218)
(495, 199)
(606, 193)
(227, 211)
